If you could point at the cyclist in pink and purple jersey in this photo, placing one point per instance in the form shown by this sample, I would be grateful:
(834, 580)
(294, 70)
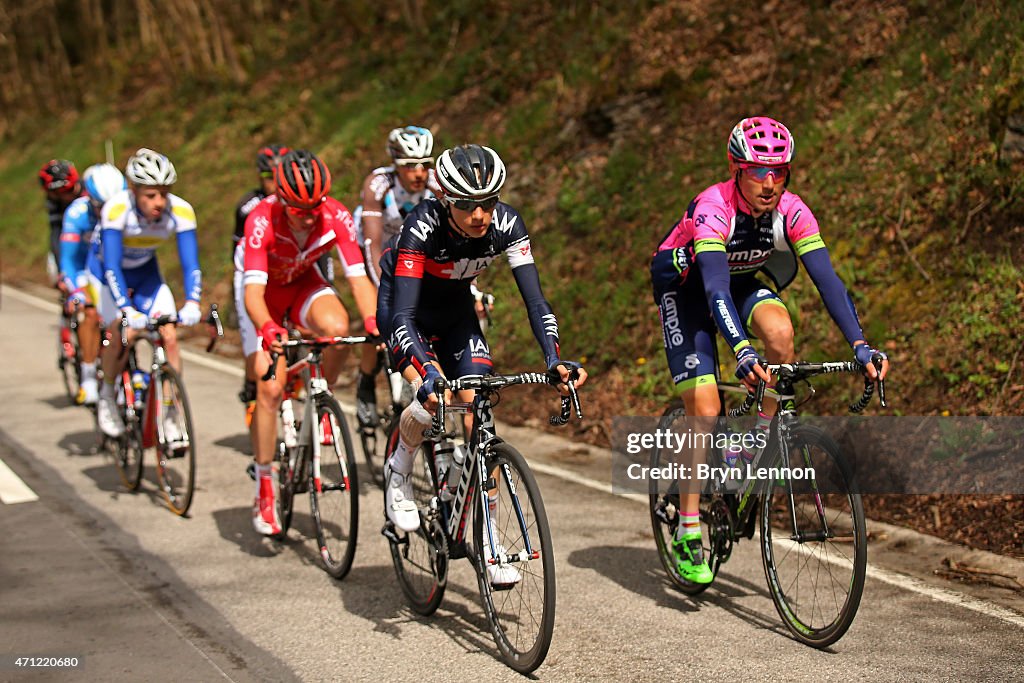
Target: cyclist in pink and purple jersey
(703, 275)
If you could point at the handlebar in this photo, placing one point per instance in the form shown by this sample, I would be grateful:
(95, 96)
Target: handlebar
(152, 325)
(314, 342)
(490, 383)
(794, 372)
(216, 329)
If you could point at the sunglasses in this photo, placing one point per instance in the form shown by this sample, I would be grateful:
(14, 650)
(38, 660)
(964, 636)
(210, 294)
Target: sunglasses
(301, 211)
(761, 173)
(266, 174)
(471, 204)
(427, 162)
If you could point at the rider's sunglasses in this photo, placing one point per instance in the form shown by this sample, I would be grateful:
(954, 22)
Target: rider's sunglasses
(299, 211)
(266, 174)
(426, 162)
(471, 204)
(760, 173)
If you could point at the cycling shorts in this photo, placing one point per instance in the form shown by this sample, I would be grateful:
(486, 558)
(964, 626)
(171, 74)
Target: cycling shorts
(689, 328)
(149, 294)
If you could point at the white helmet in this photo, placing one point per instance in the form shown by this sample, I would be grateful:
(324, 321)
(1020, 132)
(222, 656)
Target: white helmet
(103, 181)
(472, 172)
(411, 144)
(147, 167)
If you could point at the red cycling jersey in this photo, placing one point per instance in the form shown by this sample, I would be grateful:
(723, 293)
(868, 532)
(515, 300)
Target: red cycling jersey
(272, 256)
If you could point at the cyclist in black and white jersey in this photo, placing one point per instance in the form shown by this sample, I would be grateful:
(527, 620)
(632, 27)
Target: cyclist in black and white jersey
(388, 194)
(426, 310)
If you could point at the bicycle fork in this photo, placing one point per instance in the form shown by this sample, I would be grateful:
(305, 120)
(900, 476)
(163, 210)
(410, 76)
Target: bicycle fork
(498, 553)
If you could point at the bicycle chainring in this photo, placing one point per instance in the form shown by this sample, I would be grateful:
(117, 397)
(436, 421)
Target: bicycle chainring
(720, 532)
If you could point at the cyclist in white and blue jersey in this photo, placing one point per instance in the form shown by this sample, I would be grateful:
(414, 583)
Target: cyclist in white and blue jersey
(133, 224)
(102, 181)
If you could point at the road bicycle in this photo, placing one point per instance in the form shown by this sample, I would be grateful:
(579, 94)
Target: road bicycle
(812, 530)
(154, 408)
(511, 550)
(69, 355)
(315, 453)
(374, 437)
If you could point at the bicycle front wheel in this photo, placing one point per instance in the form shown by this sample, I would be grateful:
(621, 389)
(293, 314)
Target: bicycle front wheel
(420, 557)
(813, 540)
(515, 560)
(175, 444)
(334, 490)
(128, 447)
(68, 362)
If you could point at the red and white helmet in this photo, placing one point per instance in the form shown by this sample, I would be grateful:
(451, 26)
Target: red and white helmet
(760, 140)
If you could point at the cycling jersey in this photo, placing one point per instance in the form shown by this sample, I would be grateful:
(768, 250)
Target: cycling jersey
(384, 197)
(271, 256)
(129, 242)
(726, 246)
(426, 274)
(76, 237)
(246, 204)
(720, 237)
(55, 208)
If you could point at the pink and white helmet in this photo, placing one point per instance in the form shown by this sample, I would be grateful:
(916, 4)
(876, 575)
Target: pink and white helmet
(760, 140)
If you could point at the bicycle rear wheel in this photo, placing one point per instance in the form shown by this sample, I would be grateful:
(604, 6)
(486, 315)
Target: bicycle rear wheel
(293, 468)
(175, 444)
(128, 448)
(334, 496)
(373, 441)
(664, 509)
(813, 541)
(519, 594)
(420, 557)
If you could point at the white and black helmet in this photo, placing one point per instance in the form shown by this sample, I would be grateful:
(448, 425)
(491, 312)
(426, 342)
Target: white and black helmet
(470, 172)
(147, 167)
(411, 144)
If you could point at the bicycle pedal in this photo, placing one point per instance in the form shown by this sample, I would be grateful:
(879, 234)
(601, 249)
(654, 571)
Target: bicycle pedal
(388, 532)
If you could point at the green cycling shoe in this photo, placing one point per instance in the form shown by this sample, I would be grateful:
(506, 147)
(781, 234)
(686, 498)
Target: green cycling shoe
(690, 563)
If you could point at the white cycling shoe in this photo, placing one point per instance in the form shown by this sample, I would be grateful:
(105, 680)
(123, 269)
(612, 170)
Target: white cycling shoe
(107, 417)
(502, 576)
(398, 500)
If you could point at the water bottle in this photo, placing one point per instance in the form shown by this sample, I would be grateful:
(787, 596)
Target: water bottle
(455, 472)
(291, 436)
(396, 381)
(442, 461)
(140, 382)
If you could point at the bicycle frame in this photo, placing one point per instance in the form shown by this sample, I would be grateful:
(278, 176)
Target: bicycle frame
(482, 437)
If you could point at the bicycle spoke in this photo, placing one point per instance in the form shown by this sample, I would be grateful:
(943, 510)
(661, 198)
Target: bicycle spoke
(334, 495)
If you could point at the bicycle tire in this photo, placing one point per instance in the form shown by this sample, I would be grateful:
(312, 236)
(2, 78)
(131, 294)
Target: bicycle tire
(798, 582)
(664, 511)
(334, 498)
(68, 363)
(175, 460)
(506, 607)
(291, 469)
(421, 557)
(372, 441)
(127, 448)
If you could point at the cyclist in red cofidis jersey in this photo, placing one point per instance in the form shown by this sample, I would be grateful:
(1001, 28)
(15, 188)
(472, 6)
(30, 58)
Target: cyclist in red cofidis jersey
(285, 235)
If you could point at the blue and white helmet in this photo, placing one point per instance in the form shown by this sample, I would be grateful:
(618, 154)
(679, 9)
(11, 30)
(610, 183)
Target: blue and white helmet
(103, 181)
(411, 145)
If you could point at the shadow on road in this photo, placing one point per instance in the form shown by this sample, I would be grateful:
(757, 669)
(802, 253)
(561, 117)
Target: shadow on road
(80, 443)
(639, 570)
(59, 401)
(239, 442)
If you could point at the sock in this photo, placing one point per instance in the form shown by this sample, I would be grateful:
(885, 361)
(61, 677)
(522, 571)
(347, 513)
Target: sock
(689, 524)
(366, 382)
(262, 471)
(414, 418)
(88, 371)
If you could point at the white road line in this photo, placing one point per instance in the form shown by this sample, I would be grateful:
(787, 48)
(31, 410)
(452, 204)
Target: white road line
(12, 488)
(892, 578)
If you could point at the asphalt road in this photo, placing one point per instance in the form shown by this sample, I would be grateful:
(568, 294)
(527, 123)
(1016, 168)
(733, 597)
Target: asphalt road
(139, 594)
